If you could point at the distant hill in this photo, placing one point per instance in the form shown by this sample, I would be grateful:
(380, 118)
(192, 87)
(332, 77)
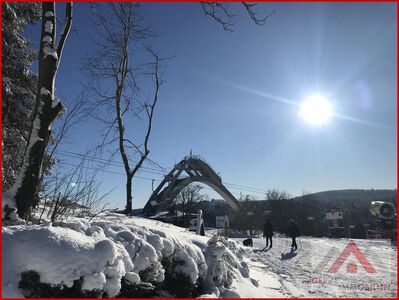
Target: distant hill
(351, 194)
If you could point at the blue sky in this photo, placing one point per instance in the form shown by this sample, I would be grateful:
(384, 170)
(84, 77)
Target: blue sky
(233, 98)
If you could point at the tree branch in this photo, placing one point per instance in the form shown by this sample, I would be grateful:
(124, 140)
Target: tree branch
(254, 15)
(67, 28)
(220, 12)
(211, 9)
(150, 111)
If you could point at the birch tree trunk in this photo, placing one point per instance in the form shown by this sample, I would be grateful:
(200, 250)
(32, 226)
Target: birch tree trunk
(25, 190)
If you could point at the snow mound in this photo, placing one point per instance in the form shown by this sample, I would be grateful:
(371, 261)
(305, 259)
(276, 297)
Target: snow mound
(60, 256)
(109, 253)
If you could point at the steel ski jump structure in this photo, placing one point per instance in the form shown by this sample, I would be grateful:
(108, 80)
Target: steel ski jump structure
(191, 169)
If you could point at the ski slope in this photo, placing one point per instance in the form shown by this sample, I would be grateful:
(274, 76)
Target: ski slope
(303, 273)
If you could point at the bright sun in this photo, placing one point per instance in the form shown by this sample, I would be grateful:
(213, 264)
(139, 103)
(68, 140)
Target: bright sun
(315, 110)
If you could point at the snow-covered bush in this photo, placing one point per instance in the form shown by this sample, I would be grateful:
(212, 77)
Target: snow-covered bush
(185, 271)
(224, 261)
(113, 256)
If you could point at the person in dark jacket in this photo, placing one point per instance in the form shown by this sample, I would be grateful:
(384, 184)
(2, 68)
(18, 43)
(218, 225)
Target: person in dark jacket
(268, 232)
(293, 232)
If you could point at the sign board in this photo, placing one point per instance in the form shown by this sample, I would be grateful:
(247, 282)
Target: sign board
(221, 220)
(335, 215)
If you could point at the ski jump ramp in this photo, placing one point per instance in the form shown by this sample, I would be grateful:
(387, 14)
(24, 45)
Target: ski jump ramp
(191, 169)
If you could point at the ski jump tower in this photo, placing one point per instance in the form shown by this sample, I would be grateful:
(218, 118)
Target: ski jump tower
(191, 169)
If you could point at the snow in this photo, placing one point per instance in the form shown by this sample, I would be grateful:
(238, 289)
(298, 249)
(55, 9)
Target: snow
(94, 282)
(112, 247)
(47, 39)
(49, 51)
(8, 202)
(292, 274)
(44, 91)
(44, 245)
(11, 193)
(48, 27)
(55, 102)
(132, 277)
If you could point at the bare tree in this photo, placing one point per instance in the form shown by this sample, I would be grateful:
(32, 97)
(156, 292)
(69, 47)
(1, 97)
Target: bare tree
(118, 29)
(274, 194)
(47, 108)
(187, 197)
(221, 13)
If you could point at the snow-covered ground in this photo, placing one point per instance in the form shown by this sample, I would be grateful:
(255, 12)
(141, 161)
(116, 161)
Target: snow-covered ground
(303, 273)
(146, 252)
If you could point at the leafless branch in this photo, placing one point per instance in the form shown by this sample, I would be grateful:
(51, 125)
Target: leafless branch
(150, 108)
(74, 193)
(220, 12)
(254, 15)
(65, 32)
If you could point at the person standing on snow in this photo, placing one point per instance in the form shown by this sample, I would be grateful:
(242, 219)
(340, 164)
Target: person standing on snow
(268, 232)
(293, 232)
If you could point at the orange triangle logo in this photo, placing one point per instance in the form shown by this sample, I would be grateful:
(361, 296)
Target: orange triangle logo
(352, 248)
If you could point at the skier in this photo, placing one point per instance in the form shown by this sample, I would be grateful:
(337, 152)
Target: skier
(268, 232)
(293, 232)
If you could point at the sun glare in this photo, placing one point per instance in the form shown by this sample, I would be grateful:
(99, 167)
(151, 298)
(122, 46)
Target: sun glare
(315, 110)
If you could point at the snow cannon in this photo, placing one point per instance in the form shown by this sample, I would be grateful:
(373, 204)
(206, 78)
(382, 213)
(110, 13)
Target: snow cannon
(383, 210)
(385, 213)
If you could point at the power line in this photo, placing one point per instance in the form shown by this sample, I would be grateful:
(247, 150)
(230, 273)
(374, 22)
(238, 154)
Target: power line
(122, 174)
(108, 162)
(244, 190)
(140, 177)
(248, 187)
(147, 170)
(80, 155)
(111, 172)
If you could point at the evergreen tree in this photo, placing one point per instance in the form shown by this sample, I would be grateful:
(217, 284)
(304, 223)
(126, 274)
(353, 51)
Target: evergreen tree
(19, 85)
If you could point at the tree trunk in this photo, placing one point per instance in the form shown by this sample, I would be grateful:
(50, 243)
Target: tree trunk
(129, 197)
(47, 109)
